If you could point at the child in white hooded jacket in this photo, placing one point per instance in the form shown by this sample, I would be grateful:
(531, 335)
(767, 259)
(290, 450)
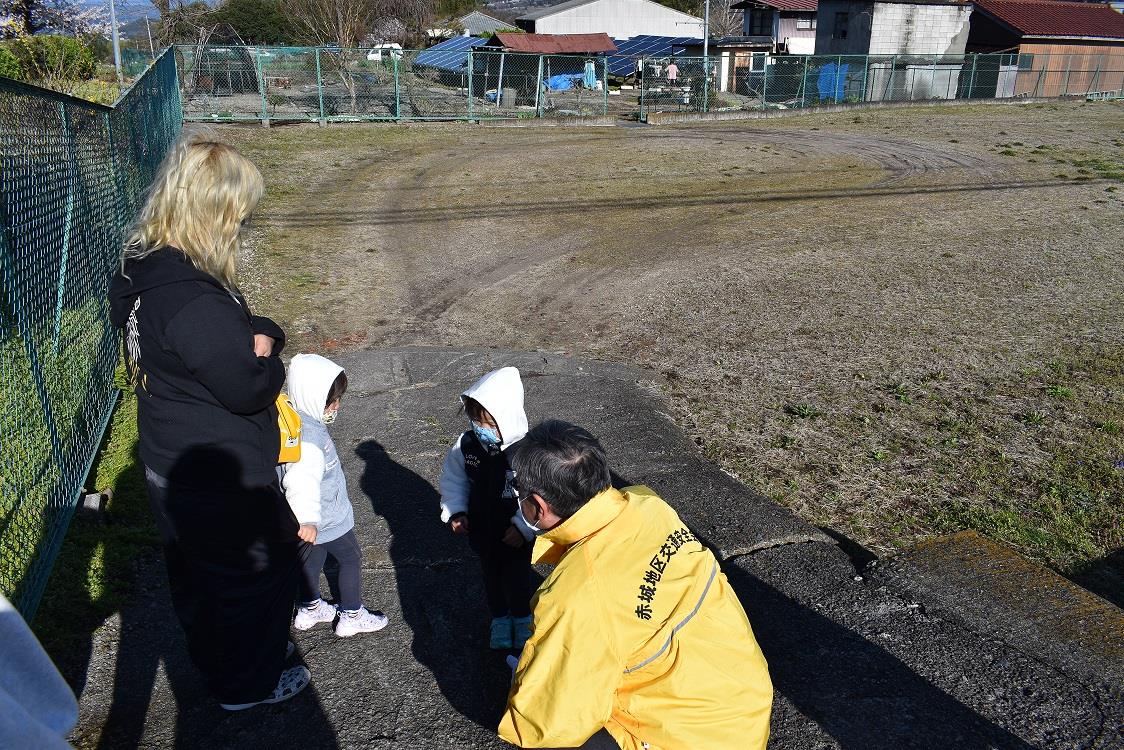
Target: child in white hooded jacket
(477, 499)
(316, 489)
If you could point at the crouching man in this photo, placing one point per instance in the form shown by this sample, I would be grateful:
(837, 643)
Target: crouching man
(638, 640)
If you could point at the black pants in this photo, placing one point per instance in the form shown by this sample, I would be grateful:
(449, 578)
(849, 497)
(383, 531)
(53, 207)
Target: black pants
(346, 552)
(233, 572)
(507, 576)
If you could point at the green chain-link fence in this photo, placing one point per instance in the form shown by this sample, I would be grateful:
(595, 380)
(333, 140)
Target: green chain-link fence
(764, 81)
(72, 176)
(231, 83)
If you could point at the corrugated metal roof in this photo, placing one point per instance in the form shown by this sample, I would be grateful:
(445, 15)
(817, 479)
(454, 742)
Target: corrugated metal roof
(480, 23)
(793, 5)
(550, 10)
(1056, 19)
(554, 44)
(537, 13)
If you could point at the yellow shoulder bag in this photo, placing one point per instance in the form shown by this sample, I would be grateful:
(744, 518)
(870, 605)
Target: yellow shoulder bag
(289, 423)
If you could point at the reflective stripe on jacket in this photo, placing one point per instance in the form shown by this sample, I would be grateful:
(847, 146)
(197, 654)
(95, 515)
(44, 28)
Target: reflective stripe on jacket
(637, 630)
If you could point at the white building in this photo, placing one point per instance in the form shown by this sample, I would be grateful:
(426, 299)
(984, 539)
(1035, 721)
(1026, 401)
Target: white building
(620, 19)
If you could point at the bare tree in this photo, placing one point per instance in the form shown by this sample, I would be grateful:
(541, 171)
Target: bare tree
(724, 20)
(340, 23)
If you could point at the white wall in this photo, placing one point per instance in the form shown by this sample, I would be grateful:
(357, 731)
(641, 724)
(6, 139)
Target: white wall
(621, 19)
(904, 29)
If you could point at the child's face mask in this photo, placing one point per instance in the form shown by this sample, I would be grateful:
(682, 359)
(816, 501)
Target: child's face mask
(488, 436)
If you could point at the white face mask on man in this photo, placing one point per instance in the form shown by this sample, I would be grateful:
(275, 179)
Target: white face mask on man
(531, 526)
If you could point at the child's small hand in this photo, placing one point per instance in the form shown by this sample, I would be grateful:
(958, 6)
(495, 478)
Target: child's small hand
(307, 532)
(459, 524)
(512, 537)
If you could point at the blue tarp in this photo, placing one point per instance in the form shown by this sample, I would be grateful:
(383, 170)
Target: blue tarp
(832, 83)
(562, 82)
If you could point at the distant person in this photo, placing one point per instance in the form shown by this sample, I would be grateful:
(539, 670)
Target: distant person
(37, 708)
(672, 72)
(207, 373)
(316, 489)
(477, 500)
(639, 641)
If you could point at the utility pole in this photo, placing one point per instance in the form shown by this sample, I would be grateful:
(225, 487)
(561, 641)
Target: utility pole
(706, 29)
(116, 40)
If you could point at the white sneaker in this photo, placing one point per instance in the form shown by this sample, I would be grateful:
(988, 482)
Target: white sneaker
(306, 617)
(293, 680)
(360, 621)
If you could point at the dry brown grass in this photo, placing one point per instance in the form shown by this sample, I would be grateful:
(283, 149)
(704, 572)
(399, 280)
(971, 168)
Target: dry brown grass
(884, 320)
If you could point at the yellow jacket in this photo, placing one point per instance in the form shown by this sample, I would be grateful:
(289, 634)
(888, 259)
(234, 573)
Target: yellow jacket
(637, 630)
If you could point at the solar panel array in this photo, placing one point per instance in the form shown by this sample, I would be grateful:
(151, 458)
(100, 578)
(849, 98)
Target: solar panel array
(451, 55)
(623, 61)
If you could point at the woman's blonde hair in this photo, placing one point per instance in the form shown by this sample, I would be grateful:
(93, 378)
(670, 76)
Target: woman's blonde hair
(202, 194)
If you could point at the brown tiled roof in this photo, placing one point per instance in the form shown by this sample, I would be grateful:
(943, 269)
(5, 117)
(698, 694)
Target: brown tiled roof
(1056, 19)
(800, 5)
(554, 44)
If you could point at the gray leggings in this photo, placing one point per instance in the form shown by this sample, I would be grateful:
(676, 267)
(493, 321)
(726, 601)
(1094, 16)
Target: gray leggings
(346, 552)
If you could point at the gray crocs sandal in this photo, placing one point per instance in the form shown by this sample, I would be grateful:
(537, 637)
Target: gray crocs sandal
(293, 680)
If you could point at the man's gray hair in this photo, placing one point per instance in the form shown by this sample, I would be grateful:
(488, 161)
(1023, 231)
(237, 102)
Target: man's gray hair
(563, 463)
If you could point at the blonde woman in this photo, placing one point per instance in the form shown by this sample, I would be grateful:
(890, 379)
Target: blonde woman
(207, 374)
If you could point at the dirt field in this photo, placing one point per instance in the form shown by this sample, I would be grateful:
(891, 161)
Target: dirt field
(898, 323)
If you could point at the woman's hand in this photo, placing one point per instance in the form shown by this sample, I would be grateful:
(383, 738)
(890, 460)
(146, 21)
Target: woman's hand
(263, 345)
(459, 524)
(307, 533)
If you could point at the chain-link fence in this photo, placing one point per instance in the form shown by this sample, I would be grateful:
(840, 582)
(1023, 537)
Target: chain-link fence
(72, 176)
(230, 83)
(765, 81)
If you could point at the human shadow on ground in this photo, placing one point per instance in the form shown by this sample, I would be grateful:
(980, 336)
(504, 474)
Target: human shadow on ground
(136, 710)
(439, 587)
(857, 692)
(1104, 577)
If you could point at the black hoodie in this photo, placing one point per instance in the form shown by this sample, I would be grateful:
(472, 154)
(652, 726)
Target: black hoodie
(199, 386)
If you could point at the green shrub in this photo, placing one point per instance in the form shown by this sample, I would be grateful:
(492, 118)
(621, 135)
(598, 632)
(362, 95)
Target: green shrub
(54, 58)
(9, 64)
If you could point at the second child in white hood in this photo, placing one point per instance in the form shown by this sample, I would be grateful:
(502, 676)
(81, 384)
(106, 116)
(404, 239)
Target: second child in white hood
(316, 489)
(478, 499)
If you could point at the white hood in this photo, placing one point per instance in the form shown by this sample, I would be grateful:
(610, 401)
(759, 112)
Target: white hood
(501, 393)
(310, 378)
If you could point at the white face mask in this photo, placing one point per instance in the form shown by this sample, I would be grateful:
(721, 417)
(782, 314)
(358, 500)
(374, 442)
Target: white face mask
(329, 416)
(530, 525)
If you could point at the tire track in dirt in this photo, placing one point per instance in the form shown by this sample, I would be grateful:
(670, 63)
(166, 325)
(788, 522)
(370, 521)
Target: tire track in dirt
(900, 158)
(423, 261)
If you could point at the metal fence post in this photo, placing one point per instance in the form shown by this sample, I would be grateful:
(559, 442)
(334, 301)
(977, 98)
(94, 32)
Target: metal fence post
(764, 78)
(1092, 87)
(538, 91)
(68, 221)
(1068, 67)
(706, 84)
(470, 83)
(972, 78)
(261, 87)
(804, 84)
(397, 89)
(888, 95)
(605, 83)
(319, 86)
(866, 73)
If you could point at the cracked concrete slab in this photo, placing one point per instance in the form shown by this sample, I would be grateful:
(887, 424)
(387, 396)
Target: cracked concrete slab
(857, 663)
